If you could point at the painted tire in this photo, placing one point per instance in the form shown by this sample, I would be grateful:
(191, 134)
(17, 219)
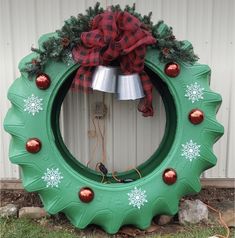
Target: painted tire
(49, 169)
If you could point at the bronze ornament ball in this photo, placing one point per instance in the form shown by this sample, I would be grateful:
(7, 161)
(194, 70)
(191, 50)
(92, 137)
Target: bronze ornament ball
(86, 194)
(33, 145)
(172, 69)
(169, 176)
(196, 116)
(43, 81)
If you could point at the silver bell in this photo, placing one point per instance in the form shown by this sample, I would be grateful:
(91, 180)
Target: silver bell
(129, 87)
(105, 79)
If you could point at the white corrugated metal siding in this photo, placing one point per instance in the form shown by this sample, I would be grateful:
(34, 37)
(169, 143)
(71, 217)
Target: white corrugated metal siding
(209, 25)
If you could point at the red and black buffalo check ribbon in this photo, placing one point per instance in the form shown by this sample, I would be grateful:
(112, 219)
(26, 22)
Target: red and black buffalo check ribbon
(115, 36)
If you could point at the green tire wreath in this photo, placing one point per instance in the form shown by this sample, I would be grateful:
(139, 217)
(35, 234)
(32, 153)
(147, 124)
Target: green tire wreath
(67, 186)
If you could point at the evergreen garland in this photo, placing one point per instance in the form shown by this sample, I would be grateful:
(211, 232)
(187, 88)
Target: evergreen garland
(59, 48)
(170, 48)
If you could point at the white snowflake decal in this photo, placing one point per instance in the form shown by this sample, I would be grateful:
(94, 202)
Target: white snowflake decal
(137, 197)
(191, 150)
(194, 92)
(33, 104)
(52, 177)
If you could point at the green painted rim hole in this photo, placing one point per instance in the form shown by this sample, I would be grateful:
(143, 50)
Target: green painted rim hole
(145, 168)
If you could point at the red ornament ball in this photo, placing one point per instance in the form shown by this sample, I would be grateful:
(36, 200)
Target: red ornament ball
(169, 176)
(196, 116)
(172, 69)
(43, 81)
(33, 145)
(86, 194)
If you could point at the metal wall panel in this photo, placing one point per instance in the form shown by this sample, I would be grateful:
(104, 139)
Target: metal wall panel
(130, 138)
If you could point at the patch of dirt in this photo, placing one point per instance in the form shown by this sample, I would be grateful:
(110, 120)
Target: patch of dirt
(210, 195)
(59, 222)
(20, 198)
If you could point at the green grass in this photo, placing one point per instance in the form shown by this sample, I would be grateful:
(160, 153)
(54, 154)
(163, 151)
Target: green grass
(24, 228)
(197, 232)
(44, 228)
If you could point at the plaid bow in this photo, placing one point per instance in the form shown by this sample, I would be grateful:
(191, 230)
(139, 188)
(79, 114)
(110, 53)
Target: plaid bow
(115, 36)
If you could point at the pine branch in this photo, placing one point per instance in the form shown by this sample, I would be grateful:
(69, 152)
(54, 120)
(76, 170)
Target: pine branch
(59, 48)
(170, 48)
